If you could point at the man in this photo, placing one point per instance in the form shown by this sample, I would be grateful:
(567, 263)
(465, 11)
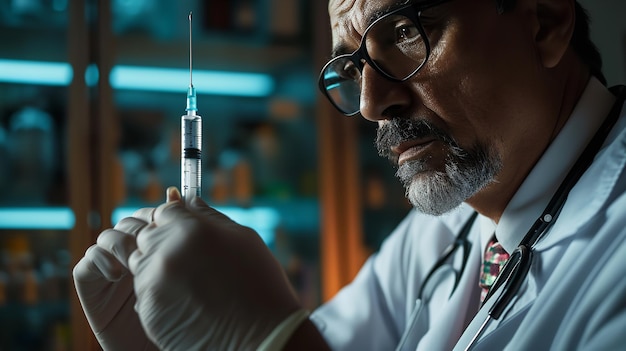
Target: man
(485, 106)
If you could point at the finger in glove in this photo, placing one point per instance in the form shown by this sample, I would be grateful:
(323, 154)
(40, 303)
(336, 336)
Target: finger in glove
(119, 243)
(97, 264)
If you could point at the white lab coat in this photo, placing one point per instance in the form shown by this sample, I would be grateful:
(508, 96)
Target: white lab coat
(575, 293)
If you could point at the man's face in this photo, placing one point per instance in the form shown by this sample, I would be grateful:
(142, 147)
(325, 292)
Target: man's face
(472, 118)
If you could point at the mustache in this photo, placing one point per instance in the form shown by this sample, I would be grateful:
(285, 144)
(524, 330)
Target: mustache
(399, 130)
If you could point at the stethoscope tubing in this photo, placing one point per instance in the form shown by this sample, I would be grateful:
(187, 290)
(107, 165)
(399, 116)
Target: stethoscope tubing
(516, 269)
(461, 240)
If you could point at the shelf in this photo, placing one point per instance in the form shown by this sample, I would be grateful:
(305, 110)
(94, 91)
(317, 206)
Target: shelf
(299, 218)
(209, 52)
(214, 53)
(265, 217)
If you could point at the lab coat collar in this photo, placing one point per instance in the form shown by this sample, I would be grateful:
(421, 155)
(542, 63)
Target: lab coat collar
(540, 185)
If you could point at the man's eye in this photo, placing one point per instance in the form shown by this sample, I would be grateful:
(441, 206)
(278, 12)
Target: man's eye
(350, 71)
(406, 32)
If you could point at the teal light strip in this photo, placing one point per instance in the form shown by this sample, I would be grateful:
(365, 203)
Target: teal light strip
(37, 218)
(141, 78)
(264, 220)
(35, 72)
(205, 82)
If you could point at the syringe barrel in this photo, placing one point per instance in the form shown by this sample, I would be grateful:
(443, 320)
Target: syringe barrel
(191, 160)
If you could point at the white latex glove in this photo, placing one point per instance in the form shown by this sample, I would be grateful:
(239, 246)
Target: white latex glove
(105, 286)
(203, 282)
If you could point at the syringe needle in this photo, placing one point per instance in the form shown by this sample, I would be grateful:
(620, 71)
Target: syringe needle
(190, 53)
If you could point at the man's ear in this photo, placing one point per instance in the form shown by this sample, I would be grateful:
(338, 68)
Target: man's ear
(556, 19)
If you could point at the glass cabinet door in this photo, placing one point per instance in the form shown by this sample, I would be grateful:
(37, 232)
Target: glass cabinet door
(87, 137)
(34, 214)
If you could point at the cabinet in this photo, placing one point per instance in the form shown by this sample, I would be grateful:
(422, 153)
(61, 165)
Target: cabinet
(81, 151)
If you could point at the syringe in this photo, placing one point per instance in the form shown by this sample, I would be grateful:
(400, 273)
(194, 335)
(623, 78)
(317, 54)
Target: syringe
(191, 137)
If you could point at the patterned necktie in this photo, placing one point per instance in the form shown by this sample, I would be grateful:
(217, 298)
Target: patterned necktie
(494, 259)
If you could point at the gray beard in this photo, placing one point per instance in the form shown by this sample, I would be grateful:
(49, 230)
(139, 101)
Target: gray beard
(438, 192)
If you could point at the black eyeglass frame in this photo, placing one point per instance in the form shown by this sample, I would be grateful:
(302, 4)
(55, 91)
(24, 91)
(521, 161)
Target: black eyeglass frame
(412, 11)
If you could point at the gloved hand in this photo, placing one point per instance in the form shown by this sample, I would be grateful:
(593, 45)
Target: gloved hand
(203, 282)
(105, 286)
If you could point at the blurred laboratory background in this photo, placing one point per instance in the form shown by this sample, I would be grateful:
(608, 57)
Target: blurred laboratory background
(91, 96)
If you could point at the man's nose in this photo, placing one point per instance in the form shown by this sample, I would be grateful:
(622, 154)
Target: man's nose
(381, 96)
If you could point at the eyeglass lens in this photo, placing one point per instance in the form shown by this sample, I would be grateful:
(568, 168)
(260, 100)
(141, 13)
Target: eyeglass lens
(396, 49)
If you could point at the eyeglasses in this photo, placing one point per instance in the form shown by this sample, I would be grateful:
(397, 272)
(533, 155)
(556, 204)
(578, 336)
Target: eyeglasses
(395, 45)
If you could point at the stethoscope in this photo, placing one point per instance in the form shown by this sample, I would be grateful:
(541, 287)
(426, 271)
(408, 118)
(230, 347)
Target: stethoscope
(516, 269)
(438, 274)
(514, 272)
(460, 242)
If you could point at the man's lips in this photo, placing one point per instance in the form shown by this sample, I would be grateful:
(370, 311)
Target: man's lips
(411, 149)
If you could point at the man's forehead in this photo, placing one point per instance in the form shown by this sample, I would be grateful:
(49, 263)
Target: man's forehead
(349, 18)
(363, 9)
